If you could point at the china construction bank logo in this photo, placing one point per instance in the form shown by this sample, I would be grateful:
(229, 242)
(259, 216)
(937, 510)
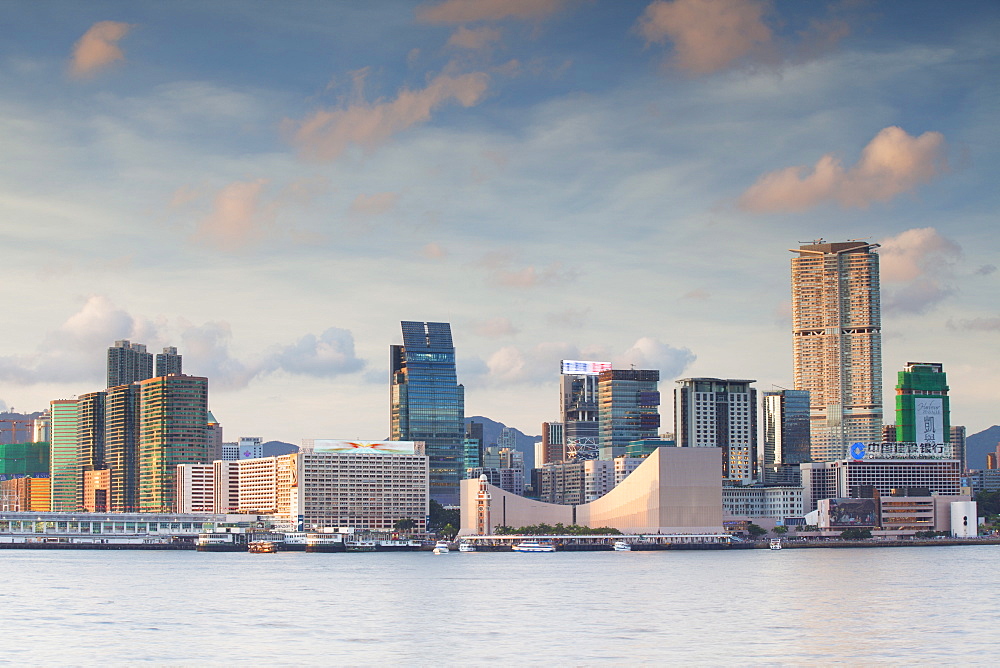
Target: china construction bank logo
(858, 450)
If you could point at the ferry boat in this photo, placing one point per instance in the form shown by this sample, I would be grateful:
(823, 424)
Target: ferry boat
(441, 547)
(533, 546)
(221, 542)
(294, 541)
(360, 545)
(398, 545)
(262, 547)
(622, 546)
(325, 542)
(466, 547)
(775, 544)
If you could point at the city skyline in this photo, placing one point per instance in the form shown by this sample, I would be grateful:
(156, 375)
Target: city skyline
(272, 189)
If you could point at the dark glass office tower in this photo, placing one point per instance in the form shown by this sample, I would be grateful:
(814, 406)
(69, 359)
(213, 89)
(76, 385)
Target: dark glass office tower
(428, 404)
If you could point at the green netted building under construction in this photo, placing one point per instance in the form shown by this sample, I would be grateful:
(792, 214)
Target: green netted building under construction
(19, 460)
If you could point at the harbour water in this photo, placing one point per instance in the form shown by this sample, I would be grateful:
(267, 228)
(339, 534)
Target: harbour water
(929, 605)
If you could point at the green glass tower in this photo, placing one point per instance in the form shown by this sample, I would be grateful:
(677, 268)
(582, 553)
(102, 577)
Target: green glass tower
(173, 418)
(64, 467)
(922, 409)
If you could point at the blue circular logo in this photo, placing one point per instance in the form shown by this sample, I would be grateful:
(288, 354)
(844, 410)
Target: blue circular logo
(858, 450)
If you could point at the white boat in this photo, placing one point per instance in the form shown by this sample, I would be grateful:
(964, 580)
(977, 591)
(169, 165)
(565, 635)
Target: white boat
(466, 547)
(622, 546)
(775, 543)
(441, 547)
(533, 546)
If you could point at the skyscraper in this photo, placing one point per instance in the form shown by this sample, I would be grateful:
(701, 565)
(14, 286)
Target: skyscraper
(579, 412)
(128, 363)
(173, 419)
(63, 456)
(719, 413)
(168, 362)
(121, 446)
(89, 440)
(922, 409)
(837, 343)
(786, 432)
(628, 408)
(428, 404)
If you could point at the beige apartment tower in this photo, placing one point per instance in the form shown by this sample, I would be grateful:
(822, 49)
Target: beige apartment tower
(837, 343)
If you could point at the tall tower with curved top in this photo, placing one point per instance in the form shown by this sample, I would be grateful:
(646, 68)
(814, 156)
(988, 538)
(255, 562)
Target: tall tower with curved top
(837, 343)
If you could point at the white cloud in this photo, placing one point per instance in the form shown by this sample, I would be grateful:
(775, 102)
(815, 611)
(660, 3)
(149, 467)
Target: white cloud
(891, 164)
(916, 267)
(494, 327)
(325, 356)
(708, 35)
(98, 48)
(327, 133)
(650, 353)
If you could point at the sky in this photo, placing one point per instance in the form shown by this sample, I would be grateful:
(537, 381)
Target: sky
(272, 187)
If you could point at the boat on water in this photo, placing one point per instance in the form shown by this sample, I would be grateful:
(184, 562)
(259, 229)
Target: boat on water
(325, 542)
(533, 546)
(622, 546)
(294, 541)
(398, 545)
(221, 542)
(775, 544)
(262, 547)
(466, 547)
(360, 545)
(441, 547)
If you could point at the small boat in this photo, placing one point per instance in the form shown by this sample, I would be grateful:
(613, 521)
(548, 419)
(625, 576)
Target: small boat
(441, 547)
(622, 546)
(466, 547)
(775, 544)
(262, 547)
(533, 546)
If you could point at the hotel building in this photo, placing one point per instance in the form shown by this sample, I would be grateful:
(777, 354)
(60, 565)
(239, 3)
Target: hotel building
(719, 413)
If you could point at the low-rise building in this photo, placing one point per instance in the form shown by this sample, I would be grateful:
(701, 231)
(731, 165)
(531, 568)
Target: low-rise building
(756, 501)
(843, 478)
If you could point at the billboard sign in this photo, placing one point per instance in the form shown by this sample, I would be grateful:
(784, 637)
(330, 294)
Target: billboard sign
(326, 445)
(906, 451)
(581, 368)
(928, 415)
(846, 513)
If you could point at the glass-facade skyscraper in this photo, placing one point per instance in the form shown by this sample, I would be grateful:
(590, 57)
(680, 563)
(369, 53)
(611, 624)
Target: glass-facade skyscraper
(628, 402)
(786, 432)
(428, 403)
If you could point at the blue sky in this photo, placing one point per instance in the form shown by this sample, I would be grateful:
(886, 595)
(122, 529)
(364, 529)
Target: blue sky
(272, 187)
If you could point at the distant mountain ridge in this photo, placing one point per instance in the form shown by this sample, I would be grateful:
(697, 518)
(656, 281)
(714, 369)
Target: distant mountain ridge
(523, 442)
(279, 448)
(978, 445)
